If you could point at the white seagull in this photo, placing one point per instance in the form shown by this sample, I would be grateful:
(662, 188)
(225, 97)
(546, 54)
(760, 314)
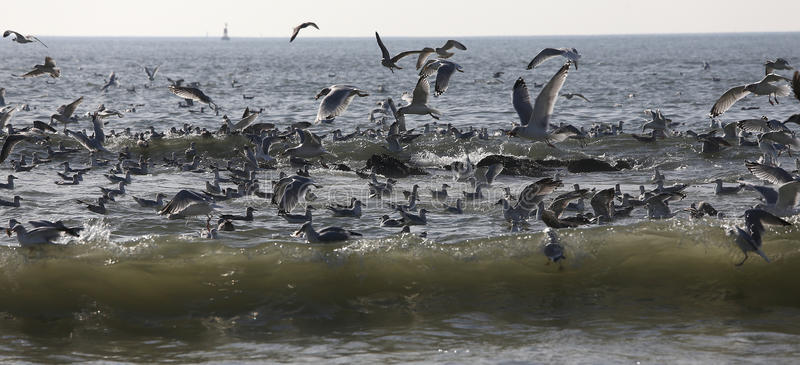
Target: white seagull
(444, 69)
(763, 87)
(419, 101)
(335, 101)
(535, 118)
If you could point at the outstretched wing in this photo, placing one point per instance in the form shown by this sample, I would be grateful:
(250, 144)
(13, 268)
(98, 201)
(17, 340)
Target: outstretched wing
(755, 219)
(603, 203)
(521, 99)
(10, 32)
(9, 144)
(443, 76)
(544, 55)
(68, 109)
(788, 195)
(334, 104)
(423, 56)
(727, 100)
(384, 51)
(796, 84)
(773, 174)
(403, 54)
(582, 97)
(422, 91)
(38, 40)
(546, 101)
(453, 43)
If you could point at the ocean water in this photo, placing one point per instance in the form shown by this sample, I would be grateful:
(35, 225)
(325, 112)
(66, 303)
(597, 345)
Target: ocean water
(136, 287)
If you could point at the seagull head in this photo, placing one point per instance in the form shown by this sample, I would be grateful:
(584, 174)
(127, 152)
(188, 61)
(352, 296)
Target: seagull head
(322, 93)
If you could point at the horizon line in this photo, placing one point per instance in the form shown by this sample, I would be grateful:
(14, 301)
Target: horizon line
(433, 36)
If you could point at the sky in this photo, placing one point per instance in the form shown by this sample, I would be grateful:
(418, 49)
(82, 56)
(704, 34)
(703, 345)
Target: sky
(410, 18)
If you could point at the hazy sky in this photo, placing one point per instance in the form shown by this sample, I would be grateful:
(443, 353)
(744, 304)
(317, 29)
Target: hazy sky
(360, 18)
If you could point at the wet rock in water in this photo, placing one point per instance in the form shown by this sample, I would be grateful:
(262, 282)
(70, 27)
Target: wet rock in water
(516, 166)
(340, 167)
(589, 165)
(535, 168)
(389, 166)
(626, 164)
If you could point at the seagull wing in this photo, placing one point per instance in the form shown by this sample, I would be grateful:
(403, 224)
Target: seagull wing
(774, 78)
(773, 174)
(10, 32)
(727, 100)
(443, 76)
(769, 194)
(81, 138)
(68, 109)
(430, 67)
(182, 200)
(421, 92)
(38, 40)
(796, 84)
(403, 54)
(754, 125)
(560, 203)
(603, 203)
(423, 56)
(295, 31)
(755, 219)
(582, 97)
(35, 72)
(245, 122)
(335, 103)
(788, 194)
(521, 99)
(99, 136)
(454, 43)
(544, 55)
(49, 62)
(9, 144)
(384, 51)
(530, 197)
(546, 101)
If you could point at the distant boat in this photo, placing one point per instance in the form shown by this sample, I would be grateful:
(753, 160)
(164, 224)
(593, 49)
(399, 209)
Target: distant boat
(225, 33)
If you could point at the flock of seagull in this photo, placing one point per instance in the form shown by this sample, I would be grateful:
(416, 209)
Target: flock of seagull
(290, 191)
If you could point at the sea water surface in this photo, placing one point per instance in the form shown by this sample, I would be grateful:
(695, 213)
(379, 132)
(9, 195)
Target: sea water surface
(136, 287)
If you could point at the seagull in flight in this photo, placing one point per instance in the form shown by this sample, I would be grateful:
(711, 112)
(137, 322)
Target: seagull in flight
(192, 93)
(48, 68)
(535, 118)
(390, 62)
(547, 53)
(778, 64)
(296, 29)
(335, 101)
(442, 51)
(444, 69)
(763, 87)
(151, 72)
(419, 101)
(22, 39)
(569, 96)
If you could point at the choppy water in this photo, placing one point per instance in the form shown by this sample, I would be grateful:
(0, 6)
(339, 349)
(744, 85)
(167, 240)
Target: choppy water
(137, 287)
